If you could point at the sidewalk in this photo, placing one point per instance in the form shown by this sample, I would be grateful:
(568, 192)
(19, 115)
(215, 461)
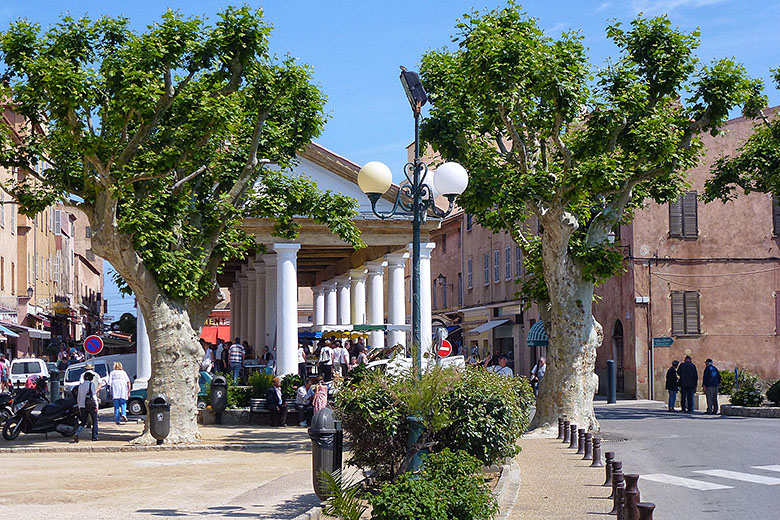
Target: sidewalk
(557, 484)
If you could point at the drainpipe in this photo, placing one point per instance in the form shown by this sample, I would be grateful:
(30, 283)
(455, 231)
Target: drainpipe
(651, 352)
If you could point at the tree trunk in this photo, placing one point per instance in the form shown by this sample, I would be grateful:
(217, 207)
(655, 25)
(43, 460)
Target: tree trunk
(570, 381)
(176, 356)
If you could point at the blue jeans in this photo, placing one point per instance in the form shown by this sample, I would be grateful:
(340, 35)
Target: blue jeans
(236, 367)
(672, 398)
(120, 409)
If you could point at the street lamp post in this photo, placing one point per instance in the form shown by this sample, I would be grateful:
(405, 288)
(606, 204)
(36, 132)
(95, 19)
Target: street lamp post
(450, 179)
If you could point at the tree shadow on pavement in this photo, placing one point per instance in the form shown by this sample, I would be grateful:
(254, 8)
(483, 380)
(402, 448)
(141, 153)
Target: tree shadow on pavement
(285, 510)
(636, 413)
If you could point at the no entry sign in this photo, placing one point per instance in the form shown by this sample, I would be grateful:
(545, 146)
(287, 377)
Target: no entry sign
(93, 345)
(445, 349)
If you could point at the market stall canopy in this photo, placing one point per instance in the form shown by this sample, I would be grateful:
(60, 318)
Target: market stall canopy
(211, 333)
(486, 327)
(8, 332)
(537, 336)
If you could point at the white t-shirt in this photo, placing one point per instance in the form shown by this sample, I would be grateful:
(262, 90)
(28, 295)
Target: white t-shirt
(303, 395)
(505, 371)
(342, 355)
(301, 355)
(118, 380)
(326, 355)
(539, 371)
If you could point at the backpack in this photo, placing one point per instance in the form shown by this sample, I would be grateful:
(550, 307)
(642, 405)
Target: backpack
(89, 401)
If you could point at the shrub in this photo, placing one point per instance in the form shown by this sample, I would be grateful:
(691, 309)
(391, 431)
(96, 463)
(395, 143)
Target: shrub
(726, 382)
(290, 384)
(410, 498)
(260, 383)
(749, 393)
(344, 496)
(238, 396)
(773, 394)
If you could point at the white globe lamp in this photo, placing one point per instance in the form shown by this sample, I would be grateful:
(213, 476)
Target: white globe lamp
(451, 179)
(375, 178)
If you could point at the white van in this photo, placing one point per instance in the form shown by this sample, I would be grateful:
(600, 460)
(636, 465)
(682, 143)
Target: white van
(22, 368)
(103, 366)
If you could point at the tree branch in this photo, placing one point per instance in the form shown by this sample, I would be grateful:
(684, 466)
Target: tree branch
(189, 177)
(515, 136)
(556, 137)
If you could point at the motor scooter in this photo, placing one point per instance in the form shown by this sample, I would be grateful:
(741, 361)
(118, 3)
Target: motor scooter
(6, 406)
(61, 416)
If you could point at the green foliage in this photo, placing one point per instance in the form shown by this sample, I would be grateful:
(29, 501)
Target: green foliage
(344, 496)
(488, 415)
(260, 383)
(356, 375)
(458, 483)
(162, 135)
(542, 137)
(773, 394)
(238, 396)
(748, 393)
(726, 386)
(290, 384)
(474, 410)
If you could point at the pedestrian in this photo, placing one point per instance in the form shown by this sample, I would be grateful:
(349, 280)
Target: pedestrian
(672, 384)
(88, 406)
(326, 361)
(689, 379)
(501, 367)
(4, 375)
(236, 355)
(341, 357)
(320, 400)
(537, 374)
(303, 401)
(119, 382)
(276, 404)
(710, 379)
(301, 362)
(218, 357)
(249, 352)
(207, 363)
(362, 357)
(266, 357)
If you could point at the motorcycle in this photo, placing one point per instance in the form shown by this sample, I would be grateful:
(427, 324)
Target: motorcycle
(61, 416)
(6, 406)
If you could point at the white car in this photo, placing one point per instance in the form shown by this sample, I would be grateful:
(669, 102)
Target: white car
(22, 368)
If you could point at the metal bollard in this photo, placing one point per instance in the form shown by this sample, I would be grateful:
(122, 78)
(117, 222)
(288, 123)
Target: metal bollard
(580, 441)
(645, 510)
(611, 382)
(560, 428)
(617, 484)
(632, 497)
(596, 453)
(621, 501)
(610, 458)
(588, 447)
(566, 431)
(573, 436)
(617, 468)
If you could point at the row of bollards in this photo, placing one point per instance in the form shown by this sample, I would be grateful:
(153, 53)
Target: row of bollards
(626, 503)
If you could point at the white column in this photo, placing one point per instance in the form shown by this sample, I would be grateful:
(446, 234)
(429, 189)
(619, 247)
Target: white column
(331, 303)
(270, 298)
(251, 308)
(233, 319)
(344, 314)
(426, 317)
(396, 301)
(375, 300)
(259, 339)
(287, 308)
(357, 294)
(244, 281)
(236, 330)
(318, 308)
(143, 356)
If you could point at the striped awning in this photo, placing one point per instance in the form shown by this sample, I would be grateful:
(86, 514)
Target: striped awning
(537, 336)
(8, 332)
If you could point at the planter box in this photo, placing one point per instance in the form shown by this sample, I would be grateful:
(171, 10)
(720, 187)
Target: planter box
(769, 412)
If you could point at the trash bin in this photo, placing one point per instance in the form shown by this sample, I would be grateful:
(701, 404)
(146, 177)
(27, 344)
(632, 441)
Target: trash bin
(159, 417)
(54, 384)
(219, 397)
(327, 440)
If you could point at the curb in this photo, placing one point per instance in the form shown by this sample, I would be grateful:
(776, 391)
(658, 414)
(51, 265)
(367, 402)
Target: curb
(507, 487)
(312, 514)
(170, 447)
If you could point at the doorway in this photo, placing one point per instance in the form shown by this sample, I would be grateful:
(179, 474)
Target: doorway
(617, 354)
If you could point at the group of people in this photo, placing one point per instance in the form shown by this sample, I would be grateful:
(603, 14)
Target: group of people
(88, 397)
(332, 356)
(68, 356)
(684, 378)
(310, 398)
(229, 358)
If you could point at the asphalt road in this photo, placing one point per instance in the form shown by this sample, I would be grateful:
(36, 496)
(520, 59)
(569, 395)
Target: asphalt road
(702, 467)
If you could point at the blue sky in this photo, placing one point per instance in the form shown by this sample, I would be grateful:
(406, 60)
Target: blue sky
(355, 48)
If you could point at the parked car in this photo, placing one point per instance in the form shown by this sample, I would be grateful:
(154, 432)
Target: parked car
(136, 405)
(22, 368)
(103, 366)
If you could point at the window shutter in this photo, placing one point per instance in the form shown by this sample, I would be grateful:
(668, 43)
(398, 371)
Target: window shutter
(57, 268)
(57, 222)
(675, 219)
(691, 312)
(444, 293)
(678, 313)
(433, 292)
(690, 215)
(470, 273)
(486, 272)
(775, 215)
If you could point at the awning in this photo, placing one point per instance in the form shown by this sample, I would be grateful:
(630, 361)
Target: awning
(8, 332)
(486, 327)
(537, 336)
(32, 332)
(212, 333)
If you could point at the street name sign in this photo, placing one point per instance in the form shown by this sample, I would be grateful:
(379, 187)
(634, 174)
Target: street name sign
(663, 341)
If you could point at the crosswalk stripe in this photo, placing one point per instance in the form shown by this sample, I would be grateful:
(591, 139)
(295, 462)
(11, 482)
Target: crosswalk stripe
(736, 475)
(684, 482)
(771, 467)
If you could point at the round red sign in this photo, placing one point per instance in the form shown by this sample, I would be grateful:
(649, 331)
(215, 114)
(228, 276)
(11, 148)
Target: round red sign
(93, 345)
(445, 349)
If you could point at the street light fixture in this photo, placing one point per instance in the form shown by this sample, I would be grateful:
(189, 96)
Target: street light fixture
(449, 179)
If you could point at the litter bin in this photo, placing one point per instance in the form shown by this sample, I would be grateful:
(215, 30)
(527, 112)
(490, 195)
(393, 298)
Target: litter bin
(54, 384)
(218, 397)
(159, 417)
(327, 439)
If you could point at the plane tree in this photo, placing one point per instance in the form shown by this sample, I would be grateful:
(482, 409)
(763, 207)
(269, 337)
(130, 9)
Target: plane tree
(560, 152)
(163, 138)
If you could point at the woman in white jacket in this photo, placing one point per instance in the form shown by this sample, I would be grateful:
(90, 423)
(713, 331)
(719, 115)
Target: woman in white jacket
(119, 382)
